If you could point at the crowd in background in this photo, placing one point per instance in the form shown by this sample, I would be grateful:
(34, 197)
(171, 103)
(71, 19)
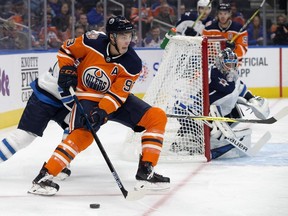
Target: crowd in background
(157, 17)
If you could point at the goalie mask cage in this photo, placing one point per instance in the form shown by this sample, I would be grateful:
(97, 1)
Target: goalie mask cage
(181, 81)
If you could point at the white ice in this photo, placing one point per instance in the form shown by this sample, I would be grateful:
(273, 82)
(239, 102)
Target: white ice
(249, 186)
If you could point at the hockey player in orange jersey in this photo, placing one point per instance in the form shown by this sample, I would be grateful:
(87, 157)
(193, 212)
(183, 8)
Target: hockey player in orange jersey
(105, 74)
(227, 28)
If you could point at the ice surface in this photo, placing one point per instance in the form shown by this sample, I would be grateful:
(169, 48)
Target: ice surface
(247, 186)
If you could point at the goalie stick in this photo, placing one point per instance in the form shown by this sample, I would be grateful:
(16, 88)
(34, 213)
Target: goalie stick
(230, 136)
(279, 115)
(131, 195)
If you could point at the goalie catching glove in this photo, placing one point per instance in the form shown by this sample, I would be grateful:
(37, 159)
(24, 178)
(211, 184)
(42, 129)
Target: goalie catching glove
(67, 77)
(259, 106)
(97, 118)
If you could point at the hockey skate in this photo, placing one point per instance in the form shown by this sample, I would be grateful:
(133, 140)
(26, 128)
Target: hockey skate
(150, 180)
(43, 184)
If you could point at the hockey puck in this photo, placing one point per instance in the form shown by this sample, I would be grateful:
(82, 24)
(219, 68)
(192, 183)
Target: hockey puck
(95, 205)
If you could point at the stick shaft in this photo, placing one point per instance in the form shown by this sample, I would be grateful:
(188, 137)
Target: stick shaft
(104, 154)
(248, 21)
(282, 113)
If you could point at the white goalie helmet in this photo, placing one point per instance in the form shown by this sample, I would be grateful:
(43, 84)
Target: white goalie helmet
(227, 61)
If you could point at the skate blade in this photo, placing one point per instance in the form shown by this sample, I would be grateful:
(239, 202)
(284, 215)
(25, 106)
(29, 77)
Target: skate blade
(38, 190)
(160, 186)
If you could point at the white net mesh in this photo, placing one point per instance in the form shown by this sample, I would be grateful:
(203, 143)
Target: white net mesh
(177, 88)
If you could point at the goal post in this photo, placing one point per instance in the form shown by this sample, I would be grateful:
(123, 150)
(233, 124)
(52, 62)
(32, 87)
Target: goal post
(182, 81)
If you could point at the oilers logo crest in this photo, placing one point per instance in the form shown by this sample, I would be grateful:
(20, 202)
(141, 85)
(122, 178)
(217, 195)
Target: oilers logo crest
(95, 78)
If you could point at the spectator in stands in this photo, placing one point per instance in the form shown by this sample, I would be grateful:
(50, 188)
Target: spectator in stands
(36, 6)
(95, 15)
(79, 30)
(281, 35)
(153, 38)
(157, 3)
(56, 6)
(146, 17)
(166, 17)
(19, 13)
(79, 9)
(156, 9)
(35, 29)
(255, 32)
(62, 20)
(281, 20)
(83, 21)
(67, 34)
(182, 9)
(236, 15)
(53, 40)
(11, 37)
(49, 10)
(5, 9)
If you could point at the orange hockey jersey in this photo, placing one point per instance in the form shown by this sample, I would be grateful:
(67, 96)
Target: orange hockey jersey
(241, 41)
(101, 77)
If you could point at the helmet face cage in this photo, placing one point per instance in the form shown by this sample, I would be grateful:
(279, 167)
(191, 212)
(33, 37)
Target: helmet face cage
(227, 61)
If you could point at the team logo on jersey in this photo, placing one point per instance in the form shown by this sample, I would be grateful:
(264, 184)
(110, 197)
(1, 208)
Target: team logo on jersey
(223, 82)
(95, 78)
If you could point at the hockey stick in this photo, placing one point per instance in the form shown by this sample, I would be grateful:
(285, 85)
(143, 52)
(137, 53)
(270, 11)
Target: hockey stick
(248, 21)
(250, 151)
(131, 195)
(230, 136)
(189, 110)
(282, 113)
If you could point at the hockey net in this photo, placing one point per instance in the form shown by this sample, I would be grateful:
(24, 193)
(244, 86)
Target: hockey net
(180, 83)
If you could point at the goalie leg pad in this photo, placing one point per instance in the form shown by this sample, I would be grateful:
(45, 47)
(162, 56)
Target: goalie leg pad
(223, 127)
(223, 149)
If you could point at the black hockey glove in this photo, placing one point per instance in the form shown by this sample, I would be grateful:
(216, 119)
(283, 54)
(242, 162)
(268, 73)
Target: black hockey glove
(97, 118)
(67, 77)
(190, 32)
(230, 45)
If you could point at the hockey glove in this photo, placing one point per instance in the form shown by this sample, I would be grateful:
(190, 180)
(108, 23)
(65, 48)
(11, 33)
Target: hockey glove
(231, 45)
(97, 118)
(190, 32)
(67, 77)
(260, 107)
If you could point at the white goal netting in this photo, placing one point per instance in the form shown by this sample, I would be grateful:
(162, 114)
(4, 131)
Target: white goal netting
(179, 89)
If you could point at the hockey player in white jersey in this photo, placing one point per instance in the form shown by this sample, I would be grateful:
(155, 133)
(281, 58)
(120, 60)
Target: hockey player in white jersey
(186, 26)
(44, 104)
